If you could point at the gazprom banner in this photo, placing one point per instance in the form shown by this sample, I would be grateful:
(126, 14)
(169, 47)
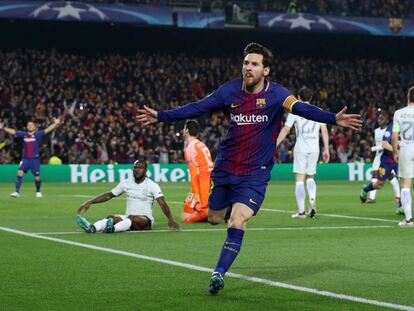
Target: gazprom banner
(85, 173)
(336, 24)
(76, 11)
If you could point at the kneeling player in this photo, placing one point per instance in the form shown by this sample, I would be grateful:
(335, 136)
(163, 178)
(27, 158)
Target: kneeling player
(141, 193)
(388, 166)
(199, 162)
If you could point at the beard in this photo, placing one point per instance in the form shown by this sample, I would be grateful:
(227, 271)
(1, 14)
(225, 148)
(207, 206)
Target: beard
(251, 81)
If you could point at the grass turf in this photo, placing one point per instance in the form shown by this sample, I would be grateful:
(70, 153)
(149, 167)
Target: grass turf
(367, 258)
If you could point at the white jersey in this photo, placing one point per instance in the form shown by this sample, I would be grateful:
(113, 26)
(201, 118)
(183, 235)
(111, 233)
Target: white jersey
(140, 197)
(404, 124)
(307, 133)
(379, 135)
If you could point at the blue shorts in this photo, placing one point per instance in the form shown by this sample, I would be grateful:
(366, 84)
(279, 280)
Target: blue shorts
(33, 165)
(385, 170)
(229, 189)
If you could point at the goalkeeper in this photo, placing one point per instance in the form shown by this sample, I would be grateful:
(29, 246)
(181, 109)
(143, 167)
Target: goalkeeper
(199, 163)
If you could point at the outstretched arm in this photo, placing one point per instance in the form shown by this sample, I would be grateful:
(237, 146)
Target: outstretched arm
(7, 129)
(167, 212)
(192, 110)
(99, 199)
(314, 113)
(56, 122)
(325, 139)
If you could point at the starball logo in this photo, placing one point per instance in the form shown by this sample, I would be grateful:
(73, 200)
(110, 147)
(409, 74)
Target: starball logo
(241, 119)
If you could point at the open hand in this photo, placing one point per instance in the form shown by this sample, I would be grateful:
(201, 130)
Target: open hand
(352, 121)
(173, 225)
(146, 116)
(325, 156)
(84, 207)
(56, 120)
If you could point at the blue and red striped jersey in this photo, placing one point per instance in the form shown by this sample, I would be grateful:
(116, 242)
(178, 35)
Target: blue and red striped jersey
(387, 156)
(31, 149)
(254, 124)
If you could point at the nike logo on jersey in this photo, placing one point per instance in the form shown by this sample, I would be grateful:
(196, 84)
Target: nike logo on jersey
(251, 201)
(235, 105)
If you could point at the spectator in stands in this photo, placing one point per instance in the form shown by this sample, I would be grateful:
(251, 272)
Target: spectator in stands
(98, 96)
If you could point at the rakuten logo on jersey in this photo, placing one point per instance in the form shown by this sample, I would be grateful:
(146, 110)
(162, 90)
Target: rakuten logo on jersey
(241, 119)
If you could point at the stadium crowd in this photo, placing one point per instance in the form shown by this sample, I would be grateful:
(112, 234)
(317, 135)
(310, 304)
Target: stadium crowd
(97, 98)
(372, 8)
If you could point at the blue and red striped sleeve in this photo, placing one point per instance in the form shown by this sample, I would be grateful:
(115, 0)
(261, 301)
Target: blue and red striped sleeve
(21, 134)
(192, 110)
(313, 113)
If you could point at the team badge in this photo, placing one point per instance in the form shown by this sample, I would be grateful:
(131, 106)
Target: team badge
(260, 102)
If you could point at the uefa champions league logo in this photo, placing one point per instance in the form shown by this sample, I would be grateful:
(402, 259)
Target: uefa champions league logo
(68, 10)
(300, 21)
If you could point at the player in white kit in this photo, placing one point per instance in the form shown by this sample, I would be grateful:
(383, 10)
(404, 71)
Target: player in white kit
(403, 128)
(379, 149)
(306, 154)
(141, 193)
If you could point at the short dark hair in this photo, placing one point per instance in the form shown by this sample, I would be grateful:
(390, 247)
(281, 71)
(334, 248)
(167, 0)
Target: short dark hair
(192, 127)
(257, 48)
(141, 161)
(411, 94)
(305, 94)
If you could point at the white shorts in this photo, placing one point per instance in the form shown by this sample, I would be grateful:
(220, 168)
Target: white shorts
(376, 163)
(305, 163)
(406, 163)
(123, 217)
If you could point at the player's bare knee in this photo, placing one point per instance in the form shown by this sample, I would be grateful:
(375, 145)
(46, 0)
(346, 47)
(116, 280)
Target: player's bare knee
(237, 222)
(214, 219)
(379, 184)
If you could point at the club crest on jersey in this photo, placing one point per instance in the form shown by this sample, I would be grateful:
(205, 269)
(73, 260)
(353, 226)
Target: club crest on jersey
(260, 102)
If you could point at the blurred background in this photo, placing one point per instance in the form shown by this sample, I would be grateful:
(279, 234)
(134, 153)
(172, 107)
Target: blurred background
(95, 62)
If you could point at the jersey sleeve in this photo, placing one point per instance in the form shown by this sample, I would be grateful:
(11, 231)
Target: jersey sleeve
(285, 97)
(21, 134)
(119, 189)
(396, 126)
(40, 134)
(290, 120)
(212, 102)
(156, 190)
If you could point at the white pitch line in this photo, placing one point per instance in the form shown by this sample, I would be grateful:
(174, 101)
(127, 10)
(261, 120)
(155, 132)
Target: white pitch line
(332, 215)
(230, 274)
(224, 229)
(265, 209)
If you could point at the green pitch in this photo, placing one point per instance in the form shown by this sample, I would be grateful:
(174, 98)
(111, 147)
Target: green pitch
(59, 267)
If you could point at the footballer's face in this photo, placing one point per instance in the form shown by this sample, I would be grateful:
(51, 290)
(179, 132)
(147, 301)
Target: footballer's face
(185, 132)
(383, 120)
(31, 127)
(253, 70)
(140, 171)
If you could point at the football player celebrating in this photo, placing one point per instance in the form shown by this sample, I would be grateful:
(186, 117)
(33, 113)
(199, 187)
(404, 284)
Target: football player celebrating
(31, 153)
(242, 168)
